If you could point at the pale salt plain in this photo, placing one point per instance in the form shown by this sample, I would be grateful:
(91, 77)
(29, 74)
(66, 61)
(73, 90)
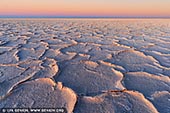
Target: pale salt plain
(86, 65)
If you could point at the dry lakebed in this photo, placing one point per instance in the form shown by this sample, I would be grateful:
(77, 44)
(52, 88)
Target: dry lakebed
(86, 65)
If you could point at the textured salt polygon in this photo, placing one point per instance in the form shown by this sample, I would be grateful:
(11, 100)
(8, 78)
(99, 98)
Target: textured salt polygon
(115, 102)
(155, 88)
(89, 78)
(10, 76)
(146, 83)
(134, 61)
(161, 100)
(41, 93)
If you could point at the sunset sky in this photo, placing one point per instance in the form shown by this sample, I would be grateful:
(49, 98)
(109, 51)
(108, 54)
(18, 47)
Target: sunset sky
(103, 8)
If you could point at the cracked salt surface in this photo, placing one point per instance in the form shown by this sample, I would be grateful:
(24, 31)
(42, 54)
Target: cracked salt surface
(86, 66)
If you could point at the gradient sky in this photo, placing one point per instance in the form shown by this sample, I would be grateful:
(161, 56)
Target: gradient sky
(85, 8)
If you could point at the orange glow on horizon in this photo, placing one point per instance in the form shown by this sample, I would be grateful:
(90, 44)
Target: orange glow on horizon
(80, 8)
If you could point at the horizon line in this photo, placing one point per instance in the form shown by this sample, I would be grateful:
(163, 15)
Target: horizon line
(20, 16)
